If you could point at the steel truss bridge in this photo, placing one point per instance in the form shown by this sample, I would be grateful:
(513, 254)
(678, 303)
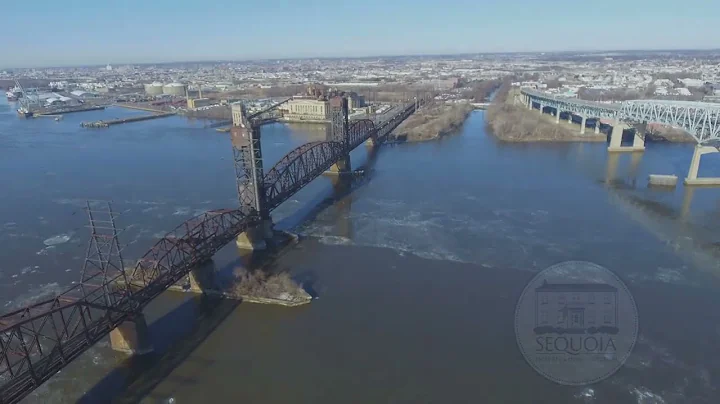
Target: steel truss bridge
(39, 340)
(700, 119)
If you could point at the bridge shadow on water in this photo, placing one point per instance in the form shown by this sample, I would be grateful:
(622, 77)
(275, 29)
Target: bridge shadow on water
(175, 335)
(178, 333)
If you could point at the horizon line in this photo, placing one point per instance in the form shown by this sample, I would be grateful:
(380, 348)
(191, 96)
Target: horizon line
(239, 60)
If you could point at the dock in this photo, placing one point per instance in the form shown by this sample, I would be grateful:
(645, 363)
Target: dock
(69, 110)
(107, 124)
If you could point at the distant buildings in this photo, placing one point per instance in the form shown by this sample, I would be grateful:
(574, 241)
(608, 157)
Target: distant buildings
(307, 109)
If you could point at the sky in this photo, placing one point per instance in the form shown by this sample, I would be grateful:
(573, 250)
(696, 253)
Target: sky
(85, 32)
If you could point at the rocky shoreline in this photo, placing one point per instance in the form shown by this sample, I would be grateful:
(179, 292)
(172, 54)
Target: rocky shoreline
(432, 122)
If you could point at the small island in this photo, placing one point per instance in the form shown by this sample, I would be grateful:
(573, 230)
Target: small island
(432, 122)
(512, 122)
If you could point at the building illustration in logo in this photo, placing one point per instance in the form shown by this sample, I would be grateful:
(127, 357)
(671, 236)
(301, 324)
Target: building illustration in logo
(576, 308)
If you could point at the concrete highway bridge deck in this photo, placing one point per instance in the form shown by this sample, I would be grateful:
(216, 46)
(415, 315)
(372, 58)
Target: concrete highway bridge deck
(700, 119)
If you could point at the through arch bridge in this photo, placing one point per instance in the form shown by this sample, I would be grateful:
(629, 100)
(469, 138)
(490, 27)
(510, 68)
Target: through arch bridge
(39, 340)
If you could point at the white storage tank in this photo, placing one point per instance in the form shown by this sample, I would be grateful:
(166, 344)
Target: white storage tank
(175, 89)
(154, 88)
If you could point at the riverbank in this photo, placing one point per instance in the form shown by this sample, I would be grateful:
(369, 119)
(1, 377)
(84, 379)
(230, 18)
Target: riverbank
(432, 122)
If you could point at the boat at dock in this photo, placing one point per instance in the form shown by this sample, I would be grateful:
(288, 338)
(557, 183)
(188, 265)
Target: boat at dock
(24, 113)
(14, 94)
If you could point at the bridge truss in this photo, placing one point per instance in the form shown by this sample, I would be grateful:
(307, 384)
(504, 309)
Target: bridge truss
(39, 340)
(700, 119)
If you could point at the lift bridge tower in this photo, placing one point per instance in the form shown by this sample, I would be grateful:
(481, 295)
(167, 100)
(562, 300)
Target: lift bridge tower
(249, 174)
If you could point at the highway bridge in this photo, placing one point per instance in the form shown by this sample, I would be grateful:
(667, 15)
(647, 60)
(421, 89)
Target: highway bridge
(39, 340)
(700, 119)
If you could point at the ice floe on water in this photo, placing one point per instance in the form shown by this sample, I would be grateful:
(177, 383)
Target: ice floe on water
(46, 250)
(587, 395)
(335, 240)
(33, 295)
(182, 211)
(645, 396)
(59, 239)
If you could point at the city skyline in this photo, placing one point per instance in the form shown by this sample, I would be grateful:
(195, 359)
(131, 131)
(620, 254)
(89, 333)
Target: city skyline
(165, 32)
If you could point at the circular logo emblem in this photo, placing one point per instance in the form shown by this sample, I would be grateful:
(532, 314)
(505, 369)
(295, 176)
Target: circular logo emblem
(576, 323)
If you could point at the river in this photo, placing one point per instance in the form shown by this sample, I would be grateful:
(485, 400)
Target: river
(417, 267)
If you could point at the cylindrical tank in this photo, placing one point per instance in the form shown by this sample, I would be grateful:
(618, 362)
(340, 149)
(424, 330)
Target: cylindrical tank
(174, 89)
(154, 88)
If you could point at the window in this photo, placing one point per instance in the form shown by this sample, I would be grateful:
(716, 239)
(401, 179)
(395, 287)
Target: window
(607, 298)
(543, 317)
(590, 314)
(606, 317)
(543, 298)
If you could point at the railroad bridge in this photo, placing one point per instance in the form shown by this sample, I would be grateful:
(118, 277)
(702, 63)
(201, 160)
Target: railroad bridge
(39, 340)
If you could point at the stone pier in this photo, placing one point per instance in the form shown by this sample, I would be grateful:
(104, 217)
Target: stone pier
(582, 125)
(692, 178)
(132, 336)
(255, 238)
(616, 140)
(342, 165)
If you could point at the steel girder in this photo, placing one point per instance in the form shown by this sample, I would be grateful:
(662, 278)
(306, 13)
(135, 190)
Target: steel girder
(298, 168)
(39, 340)
(700, 119)
(310, 160)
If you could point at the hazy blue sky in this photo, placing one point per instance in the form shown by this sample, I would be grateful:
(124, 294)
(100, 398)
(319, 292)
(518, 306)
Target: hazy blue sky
(71, 32)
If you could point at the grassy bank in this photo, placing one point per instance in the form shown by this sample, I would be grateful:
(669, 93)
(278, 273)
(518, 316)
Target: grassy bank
(432, 122)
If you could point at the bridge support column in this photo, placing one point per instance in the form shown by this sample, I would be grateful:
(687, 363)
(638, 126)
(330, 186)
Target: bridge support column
(255, 238)
(342, 165)
(132, 336)
(616, 140)
(557, 116)
(692, 178)
(597, 126)
(542, 109)
(582, 125)
(570, 117)
(529, 103)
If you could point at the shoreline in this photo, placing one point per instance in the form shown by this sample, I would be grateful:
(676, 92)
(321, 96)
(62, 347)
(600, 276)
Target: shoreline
(432, 123)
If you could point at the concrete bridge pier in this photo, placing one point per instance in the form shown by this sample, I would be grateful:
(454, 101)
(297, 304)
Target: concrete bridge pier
(597, 126)
(582, 125)
(692, 178)
(132, 336)
(616, 140)
(570, 117)
(342, 165)
(557, 115)
(542, 109)
(255, 238)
